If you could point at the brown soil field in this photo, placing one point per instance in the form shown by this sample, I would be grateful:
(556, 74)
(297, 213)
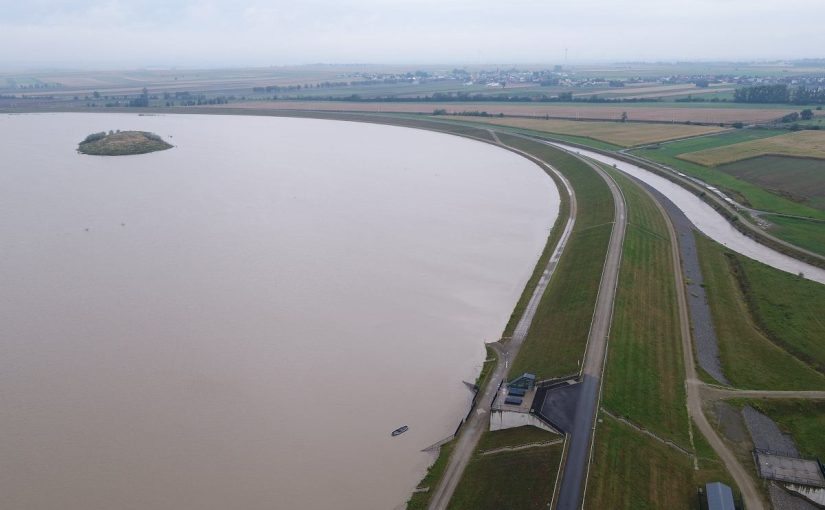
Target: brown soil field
(626, 134)
(805, 144)
(596, 112)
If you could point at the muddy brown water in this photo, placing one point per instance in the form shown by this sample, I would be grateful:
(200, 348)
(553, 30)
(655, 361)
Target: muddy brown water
(241, 321)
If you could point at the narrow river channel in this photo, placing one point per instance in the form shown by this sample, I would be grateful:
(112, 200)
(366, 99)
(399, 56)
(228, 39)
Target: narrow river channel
(708, 220)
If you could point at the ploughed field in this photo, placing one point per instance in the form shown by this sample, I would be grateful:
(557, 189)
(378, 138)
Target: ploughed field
(799, 179)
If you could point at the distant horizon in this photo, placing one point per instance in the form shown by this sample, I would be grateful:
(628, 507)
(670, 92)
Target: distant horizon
(70, 67)
(121, 34)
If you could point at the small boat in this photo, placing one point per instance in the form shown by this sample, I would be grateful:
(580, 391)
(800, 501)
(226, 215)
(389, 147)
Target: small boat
(400, 430)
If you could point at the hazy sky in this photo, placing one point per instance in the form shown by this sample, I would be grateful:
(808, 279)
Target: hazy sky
(128, 33)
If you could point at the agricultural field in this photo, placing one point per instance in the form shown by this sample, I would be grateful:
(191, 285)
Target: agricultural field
(749, 194)
(674, 113)
(758, 332)
(623, 134)
(799, 179)
(803, 144)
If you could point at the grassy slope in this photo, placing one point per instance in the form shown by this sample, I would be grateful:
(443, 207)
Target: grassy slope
(420, 500)
(749, 358)
(748, 193)
(807, 234)
(644, 381)
(556, 340)
(514, 437)
(789, 310)
(519, 480)
(645, 373)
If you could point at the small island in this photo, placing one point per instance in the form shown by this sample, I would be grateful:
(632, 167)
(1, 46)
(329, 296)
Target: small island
(122, 143)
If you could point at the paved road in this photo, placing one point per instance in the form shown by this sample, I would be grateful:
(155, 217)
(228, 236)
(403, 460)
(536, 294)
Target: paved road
(750, 495)
(577, 461)
(479, 420)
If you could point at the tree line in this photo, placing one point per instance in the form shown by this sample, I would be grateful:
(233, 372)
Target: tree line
(779, 93)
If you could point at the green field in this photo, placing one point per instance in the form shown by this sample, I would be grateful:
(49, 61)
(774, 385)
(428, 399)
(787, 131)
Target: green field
(520, 480)
(631, 471)
(804, 144)
(556, 340)
(645, 372)
(799, 179)
(752, 357)
(805, 233)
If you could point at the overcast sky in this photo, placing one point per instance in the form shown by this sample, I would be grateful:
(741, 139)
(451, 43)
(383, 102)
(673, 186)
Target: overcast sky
(129, 33)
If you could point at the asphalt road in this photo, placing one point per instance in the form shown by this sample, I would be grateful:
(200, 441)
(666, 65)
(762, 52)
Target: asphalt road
(479, 420)
(577, 461)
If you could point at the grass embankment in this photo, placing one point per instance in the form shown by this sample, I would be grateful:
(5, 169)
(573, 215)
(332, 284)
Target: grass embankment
(768, 322)
(517, 480)
(556, 340)
(644, 380)
(623, 134)
(122, 143)
(804, 144)
(645, 371)
(420, 500)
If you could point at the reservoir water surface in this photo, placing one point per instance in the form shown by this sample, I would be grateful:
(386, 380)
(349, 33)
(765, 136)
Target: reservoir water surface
(241, 321)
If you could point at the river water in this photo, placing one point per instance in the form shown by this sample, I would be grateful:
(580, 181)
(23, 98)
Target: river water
(707, 220)
(241, 321)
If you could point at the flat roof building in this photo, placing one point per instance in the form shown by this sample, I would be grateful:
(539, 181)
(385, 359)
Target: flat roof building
(720, 497)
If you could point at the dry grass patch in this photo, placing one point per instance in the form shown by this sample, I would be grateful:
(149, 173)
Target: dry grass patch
(626, 134)
(804, 144)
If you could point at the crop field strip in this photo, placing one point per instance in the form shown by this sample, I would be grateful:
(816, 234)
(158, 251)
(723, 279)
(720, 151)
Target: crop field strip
(624, 134)
(645, 381)
(750, 359)
(804, 144)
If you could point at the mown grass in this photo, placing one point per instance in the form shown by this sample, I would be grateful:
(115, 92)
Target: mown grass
(624, 134)
(556, 340)
(750, 359)
(514, 437)
(801, 143)
(804, 233)
(632, 471)
(804, 420)
(644, 380)
(420, 500)
(519, 480)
